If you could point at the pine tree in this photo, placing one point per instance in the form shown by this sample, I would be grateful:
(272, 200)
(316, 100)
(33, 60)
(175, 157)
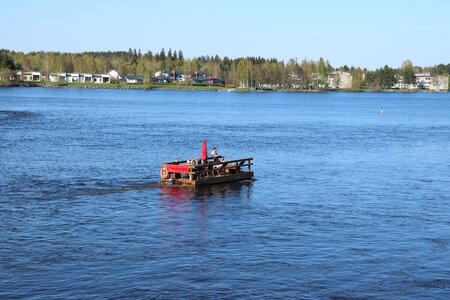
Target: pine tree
(180, 57)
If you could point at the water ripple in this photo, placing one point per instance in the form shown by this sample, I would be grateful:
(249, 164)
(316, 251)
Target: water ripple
(347, 204)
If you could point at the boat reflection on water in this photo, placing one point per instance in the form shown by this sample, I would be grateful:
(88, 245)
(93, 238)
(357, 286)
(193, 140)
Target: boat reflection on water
(185, 205)
(237, 190)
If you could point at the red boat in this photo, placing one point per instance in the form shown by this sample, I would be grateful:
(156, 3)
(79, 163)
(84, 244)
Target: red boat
(202, 172)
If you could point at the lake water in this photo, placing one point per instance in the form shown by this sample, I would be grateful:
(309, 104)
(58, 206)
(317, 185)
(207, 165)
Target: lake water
(346, 202)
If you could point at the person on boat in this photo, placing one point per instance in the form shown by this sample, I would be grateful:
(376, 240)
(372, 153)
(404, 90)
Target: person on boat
(214, 154)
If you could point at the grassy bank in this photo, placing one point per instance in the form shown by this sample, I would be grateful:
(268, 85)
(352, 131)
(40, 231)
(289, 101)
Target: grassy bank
(180, 87)
(123, 86)
(8, 84)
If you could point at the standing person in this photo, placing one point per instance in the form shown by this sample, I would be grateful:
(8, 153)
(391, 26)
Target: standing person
(214, 154)
(381, 110)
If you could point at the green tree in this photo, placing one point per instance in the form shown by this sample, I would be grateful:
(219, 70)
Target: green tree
(6, 61)
(291, 68)
(133, 63)
(309, 70)
(387, 77)
(181, 57)
(162, 59)
(358, 79)
(175, 56)
(7, 67)
(323, 68)
(407, 72)
(244, 73)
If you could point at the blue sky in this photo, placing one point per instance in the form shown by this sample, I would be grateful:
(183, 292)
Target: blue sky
(357, 33)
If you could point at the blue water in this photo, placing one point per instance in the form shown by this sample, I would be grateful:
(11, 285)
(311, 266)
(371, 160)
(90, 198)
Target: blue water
(347, 202)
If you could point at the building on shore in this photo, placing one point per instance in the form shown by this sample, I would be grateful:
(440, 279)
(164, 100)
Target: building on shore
(77, 77)
(439, 83)
(424, 81)
(85, 78)
(114, 74)
(400, 84)
(340, 80)
(101, 78)
(200, 78)
(133, 79)
(31, 76)
(169, 76)
(57, 77)
(73, 77)
(208, 81)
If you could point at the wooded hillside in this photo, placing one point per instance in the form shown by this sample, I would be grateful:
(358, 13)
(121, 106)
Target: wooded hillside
(248, 71)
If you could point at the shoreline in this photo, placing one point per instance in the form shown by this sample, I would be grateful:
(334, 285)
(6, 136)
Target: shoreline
(173, 87)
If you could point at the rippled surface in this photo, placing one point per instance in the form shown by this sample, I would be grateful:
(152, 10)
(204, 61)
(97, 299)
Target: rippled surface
(347, 203)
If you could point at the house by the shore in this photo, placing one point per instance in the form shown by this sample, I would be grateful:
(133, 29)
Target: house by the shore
(82, 78)
(166, 76)
(133, 79)
(340, 80)
(424, 81)
(31, 76)
(126, 78)
(200, 78)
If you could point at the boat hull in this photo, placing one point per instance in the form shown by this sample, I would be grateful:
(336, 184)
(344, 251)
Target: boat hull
(210, 180)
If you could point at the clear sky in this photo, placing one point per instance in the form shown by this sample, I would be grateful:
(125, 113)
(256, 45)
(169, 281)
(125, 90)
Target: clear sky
(361, 33)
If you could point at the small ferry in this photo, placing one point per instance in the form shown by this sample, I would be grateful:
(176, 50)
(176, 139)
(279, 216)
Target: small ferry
(195, 173)
(206, 170)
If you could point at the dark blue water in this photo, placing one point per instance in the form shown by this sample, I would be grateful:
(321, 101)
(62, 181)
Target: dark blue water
(347, 203)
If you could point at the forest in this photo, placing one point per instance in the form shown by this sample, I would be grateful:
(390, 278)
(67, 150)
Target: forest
(237, 72)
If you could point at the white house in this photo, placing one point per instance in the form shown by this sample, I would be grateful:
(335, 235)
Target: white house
(340, 79)
(57, 77)
(32, 76)
(73, 77)
(423, 80)
(399, 84)
(114, 74)
(134, 79)
(85, 78)
(163, 73)
(439, 83)
(77, 77)
(101, 78)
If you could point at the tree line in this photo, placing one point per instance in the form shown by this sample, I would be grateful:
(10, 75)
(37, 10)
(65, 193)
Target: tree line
(237, 72)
